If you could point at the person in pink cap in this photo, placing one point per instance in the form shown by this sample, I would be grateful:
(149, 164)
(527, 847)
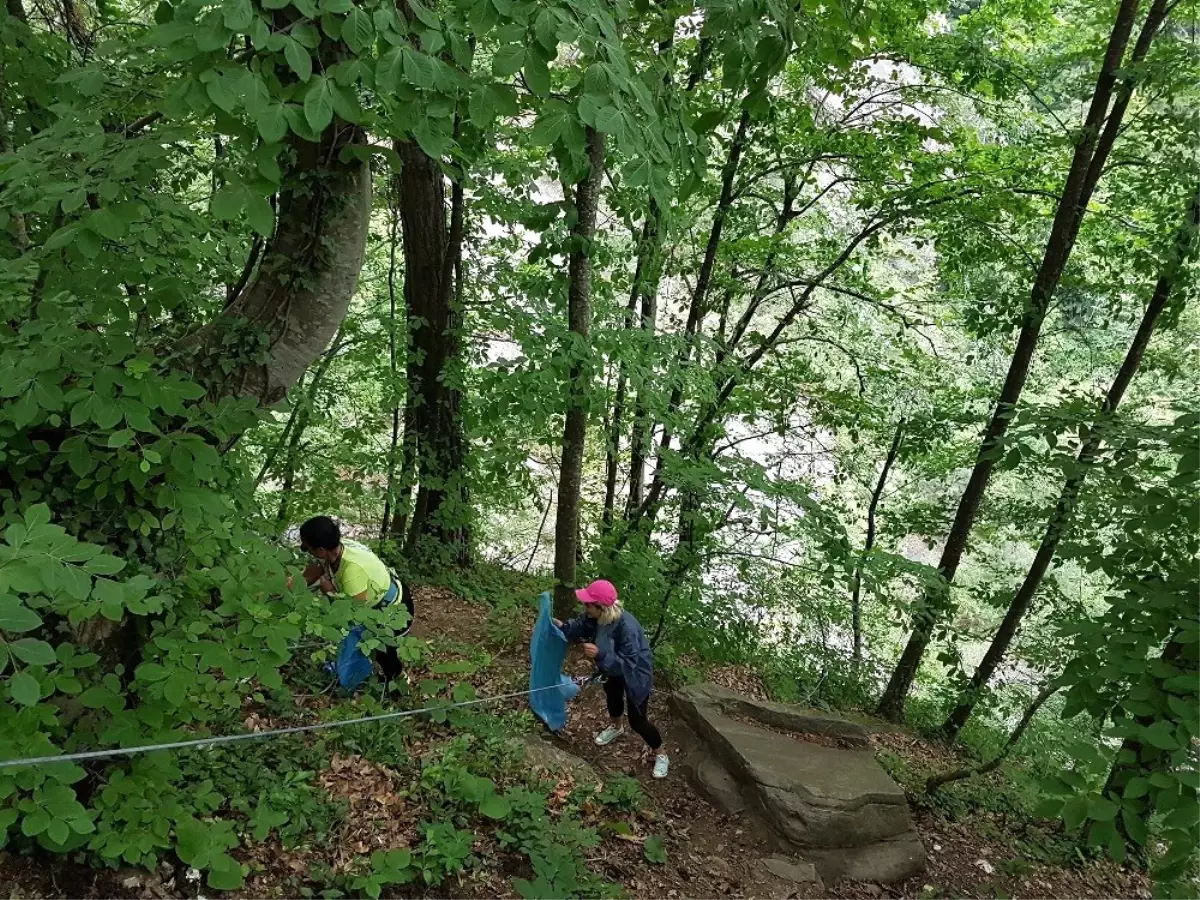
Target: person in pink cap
(614, 640)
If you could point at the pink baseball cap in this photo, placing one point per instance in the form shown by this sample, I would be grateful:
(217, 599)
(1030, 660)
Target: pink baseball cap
(602, 593)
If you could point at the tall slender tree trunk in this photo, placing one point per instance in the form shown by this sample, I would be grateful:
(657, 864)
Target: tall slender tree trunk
(302, 416)
(613, 447)
(869, 543)
(696, 305)
(653, 238)
(284, 437)
(440, 518)
(1092, 148)
(639, 441)
(566, 524)
(391, 498)
(1064, 509)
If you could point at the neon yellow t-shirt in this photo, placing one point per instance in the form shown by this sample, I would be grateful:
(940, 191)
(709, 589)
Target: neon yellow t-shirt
(361, 570)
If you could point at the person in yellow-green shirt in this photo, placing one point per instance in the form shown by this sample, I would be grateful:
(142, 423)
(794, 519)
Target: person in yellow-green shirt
(344, 566)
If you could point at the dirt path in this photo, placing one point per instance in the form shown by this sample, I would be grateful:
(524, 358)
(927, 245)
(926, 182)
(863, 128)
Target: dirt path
(711, 854)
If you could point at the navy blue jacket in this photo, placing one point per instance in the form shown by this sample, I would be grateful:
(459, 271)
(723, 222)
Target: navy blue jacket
(630, 659)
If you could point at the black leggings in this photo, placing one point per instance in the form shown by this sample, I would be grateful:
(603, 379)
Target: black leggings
(386, 657)
(618, 700)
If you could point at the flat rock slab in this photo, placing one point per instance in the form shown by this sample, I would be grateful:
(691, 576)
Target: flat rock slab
(798, 872)
(543, 754)
(835, 805)
(789, 717)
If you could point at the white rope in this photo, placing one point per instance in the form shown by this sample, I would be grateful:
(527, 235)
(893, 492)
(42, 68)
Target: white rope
(259, 735)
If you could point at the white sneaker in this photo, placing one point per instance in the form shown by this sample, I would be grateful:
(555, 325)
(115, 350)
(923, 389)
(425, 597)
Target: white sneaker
(662, 763)
(608, 735)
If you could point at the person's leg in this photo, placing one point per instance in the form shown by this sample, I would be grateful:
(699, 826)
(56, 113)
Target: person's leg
(640, 723)
(389, 663)
(614, 696)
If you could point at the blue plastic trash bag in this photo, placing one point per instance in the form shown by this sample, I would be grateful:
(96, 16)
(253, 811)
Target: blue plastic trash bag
(547, 650)
(352, 665)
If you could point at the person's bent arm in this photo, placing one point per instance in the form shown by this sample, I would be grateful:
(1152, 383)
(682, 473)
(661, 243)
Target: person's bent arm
(573, 629)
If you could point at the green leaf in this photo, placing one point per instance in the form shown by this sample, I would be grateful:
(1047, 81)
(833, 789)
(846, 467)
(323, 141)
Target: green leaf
(16, 617)
(508, 60)
(318, 104)
(1101, 809)
(427, 16)
(608, 120)
(480, 109)
(1160, 735)
(654, 850)
(192, 842)
(419, 69)
(546, 30)
(96, 697)
(357, 30)
(495, 807)
(389, 71)
(550, 124)
(260, 215)
(238, 15)
(1137, 787)
(1074, 811)
(222, 94)
(272, 123)
(120, 438)
(33, 651)
(227, 203)
(1134, 826)
(104, 565)
(226, 873)
(537, 75)
(24, 688)
(298, 59)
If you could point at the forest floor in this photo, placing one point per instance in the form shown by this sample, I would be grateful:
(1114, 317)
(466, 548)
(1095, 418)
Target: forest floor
(973, 853)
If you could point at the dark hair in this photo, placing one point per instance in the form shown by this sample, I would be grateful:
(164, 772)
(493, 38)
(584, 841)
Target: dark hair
(320, 533)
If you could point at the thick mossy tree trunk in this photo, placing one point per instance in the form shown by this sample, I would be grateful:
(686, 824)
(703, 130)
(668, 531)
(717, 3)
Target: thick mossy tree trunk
(1085, 459)
(579, 316)
(1092, 148)
(293, 306)
(439, 528)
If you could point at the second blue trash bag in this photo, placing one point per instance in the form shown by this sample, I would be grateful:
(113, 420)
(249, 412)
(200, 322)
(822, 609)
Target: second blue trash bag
(547, 650)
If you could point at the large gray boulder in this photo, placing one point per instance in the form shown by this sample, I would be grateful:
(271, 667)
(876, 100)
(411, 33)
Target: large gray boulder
(829, 802)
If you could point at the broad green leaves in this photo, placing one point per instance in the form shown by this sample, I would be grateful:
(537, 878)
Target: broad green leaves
(318, 104)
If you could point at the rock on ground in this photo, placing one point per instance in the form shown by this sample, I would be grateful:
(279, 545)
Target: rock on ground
(542, 753)
(833, 805)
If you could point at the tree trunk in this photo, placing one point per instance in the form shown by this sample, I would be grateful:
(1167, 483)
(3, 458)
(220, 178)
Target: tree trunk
(1064, 509)
(696, 306)
(284, 437)
(1091, 150)
(306, 276)
(869, 543)
(390, 493)
(302, 415)
(639, 441)
(613, 447)
(566, 524)
(440, 517)
(653, 237)
(937, 781)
